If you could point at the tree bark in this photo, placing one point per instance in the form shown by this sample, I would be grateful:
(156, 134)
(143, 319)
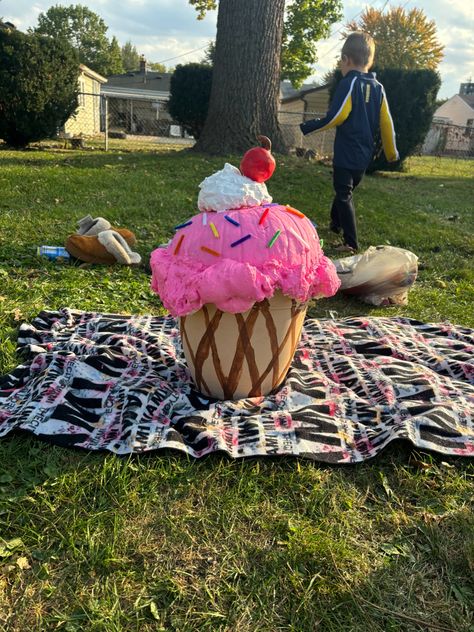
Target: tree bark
(246, 77)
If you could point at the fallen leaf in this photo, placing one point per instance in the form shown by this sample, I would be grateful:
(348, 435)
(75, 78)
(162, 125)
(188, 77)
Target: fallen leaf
(22, 563)
(154, 611)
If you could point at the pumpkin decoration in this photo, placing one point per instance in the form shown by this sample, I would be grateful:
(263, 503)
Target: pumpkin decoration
(258, 164)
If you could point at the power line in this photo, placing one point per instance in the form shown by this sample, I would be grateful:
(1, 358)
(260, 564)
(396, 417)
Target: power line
(182, 54)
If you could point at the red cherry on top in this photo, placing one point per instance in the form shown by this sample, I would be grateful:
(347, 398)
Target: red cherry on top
(258, 164)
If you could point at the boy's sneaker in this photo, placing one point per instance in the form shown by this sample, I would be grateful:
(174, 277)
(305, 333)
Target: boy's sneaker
(345, 248)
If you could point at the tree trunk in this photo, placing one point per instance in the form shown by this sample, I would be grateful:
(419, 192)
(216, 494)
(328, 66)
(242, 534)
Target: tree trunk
(246, 77)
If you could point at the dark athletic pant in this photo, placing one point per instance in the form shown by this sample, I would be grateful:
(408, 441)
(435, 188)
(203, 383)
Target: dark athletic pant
(342, 210)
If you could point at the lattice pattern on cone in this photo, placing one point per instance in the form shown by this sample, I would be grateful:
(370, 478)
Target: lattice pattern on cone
(242, 355)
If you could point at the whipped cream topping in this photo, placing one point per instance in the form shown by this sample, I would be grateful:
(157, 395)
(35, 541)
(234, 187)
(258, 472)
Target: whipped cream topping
(229, 189)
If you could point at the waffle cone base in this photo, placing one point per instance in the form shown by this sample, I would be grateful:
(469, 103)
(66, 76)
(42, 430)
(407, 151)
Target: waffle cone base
(234, 356)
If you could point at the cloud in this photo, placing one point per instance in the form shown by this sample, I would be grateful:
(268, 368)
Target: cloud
(158, 28)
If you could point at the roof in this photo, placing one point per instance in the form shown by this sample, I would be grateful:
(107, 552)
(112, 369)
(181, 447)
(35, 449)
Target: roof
(143, 81)
(134, 93)
(469, 99)
(288, 93)
(92, 74)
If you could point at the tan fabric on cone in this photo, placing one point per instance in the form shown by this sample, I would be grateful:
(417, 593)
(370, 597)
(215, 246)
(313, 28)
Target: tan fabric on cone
(233, 356)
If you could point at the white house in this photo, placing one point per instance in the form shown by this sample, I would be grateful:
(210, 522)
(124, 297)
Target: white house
(86, 119)
(458, 110)
(452, 129)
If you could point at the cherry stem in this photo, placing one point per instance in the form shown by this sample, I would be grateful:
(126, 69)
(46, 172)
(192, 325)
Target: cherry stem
(265, 142)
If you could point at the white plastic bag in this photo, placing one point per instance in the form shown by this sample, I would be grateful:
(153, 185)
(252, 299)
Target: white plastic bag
(382, 275)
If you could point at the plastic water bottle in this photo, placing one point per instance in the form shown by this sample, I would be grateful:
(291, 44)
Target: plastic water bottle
(53, 252)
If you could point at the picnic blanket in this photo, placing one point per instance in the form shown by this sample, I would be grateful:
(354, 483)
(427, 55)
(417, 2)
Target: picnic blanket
(120, 383)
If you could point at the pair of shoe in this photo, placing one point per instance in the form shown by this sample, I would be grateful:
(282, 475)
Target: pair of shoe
(97, 241)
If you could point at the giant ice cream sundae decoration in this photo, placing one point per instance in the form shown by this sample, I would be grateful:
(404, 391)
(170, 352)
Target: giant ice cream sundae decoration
(239, 276)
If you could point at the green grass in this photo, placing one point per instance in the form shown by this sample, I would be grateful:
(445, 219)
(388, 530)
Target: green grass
(97, 542)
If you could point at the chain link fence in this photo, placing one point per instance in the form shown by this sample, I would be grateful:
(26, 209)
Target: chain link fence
(318, 145)
(116, 122)
(119, 122)
(444, 139)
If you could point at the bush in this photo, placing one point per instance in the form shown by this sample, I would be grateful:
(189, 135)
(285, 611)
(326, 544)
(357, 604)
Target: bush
(190, 91)
(38, 86)
(411, 96)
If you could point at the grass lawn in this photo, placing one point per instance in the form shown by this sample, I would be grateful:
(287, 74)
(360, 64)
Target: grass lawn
(159, 542)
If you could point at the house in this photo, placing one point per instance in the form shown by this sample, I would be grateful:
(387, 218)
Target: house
(86, 120)
(458, 110)
(138, 102)
(297, 106)
(452, 129)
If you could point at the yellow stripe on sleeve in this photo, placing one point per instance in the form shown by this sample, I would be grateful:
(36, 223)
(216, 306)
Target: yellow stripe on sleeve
(342, 113)
(341, 116)
(387, 132)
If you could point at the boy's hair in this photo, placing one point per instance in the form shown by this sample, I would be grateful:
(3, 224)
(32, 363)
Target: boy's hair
(360, 47)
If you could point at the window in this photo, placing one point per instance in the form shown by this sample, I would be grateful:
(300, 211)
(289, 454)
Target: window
(82, 96)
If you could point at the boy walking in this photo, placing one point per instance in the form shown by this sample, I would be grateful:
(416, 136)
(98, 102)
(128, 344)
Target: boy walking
(358, 110)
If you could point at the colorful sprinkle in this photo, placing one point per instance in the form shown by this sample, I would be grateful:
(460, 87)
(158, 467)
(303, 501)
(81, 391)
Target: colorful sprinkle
(272, 204)
(293, 211)
(204, 219)
(178, 245)
(321, 242)
(183, 225)
(298, 237)
(214, 230)
(210, 251)
(273, 239)
(239, 241)
(314, 224)
(232, 221)
(263, 217)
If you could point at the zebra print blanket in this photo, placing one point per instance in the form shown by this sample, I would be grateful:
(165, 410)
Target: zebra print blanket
(118, 383)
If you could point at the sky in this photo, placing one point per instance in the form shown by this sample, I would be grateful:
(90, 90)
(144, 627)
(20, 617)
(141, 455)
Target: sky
(167, 30)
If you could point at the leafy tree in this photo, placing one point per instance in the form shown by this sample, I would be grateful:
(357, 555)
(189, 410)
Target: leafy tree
(130, 57)
(156, 66)
(403, 39)
(115, 65)
(189, 99)
(411, 95)
(86, 32)
(306, 22)
(38, 86)
(246, 80)
(246, 75)
(203, 6)
(209, 54)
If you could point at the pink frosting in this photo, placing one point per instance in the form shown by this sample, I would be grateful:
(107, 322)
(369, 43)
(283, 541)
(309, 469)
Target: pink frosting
(187, 277)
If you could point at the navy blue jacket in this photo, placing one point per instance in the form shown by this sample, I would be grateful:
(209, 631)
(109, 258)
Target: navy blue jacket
(359, 108)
